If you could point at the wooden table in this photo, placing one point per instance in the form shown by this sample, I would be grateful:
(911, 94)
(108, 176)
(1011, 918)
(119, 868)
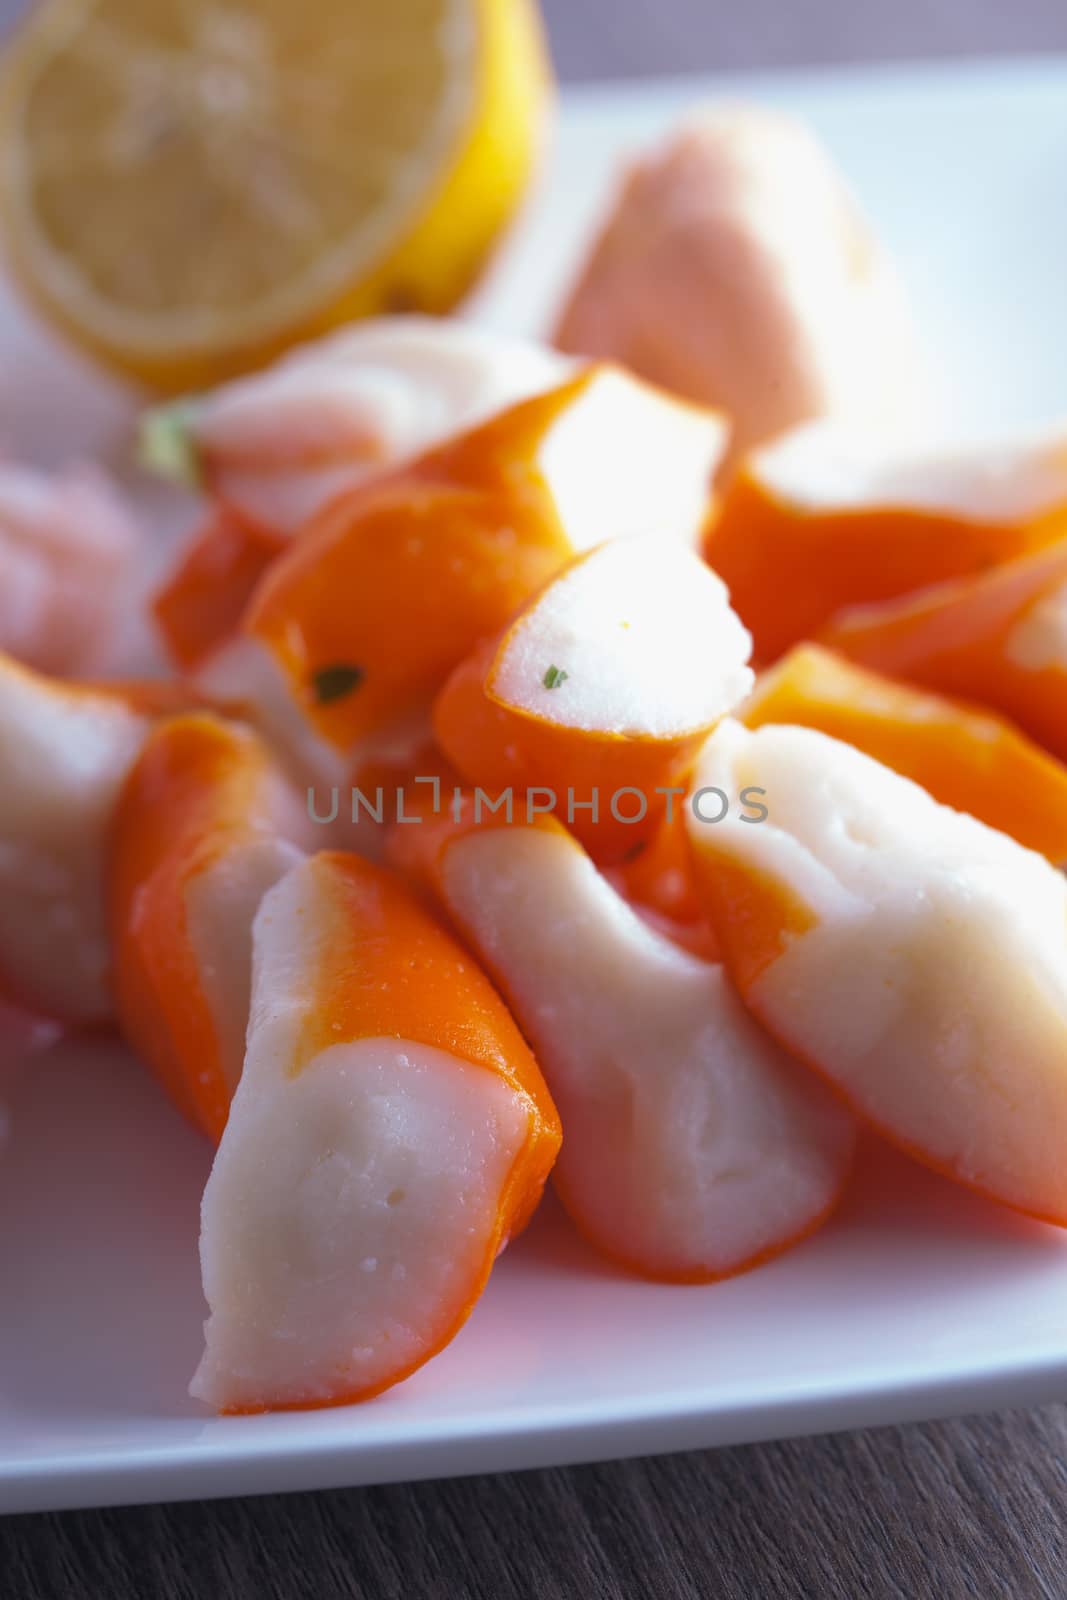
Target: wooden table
(975, 1508)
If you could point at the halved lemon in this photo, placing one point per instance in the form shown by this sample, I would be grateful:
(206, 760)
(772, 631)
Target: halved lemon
(189, 186)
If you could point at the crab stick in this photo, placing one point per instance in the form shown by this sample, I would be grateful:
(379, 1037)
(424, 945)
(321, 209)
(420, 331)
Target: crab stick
(602, 690)
(389, 1133)
(824, 518)
(911, 955)
(734, 269)
(694, 1147)
(274, 447)
(357, 623)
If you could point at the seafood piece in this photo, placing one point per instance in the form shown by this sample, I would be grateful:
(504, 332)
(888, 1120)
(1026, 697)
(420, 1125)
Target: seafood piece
(825, 519)
(359, 622)
(734, 269)
(389, 1134)
(274, 447)
(913, 956)
(694, 1147)
(602, 690)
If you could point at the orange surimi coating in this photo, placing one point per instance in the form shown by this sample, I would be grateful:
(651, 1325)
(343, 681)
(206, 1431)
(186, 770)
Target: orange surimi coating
(658, 882)
(389, 969)
(204, 795)
(998, 639)
(475, 730)
(202, 601)
(401, 577)
(660, 875)
(967, 759)
(497, 748)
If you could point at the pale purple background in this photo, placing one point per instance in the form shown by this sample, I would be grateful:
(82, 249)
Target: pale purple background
(632, 38)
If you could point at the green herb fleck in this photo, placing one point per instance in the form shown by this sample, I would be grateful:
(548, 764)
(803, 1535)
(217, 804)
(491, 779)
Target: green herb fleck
(166, 446)
(333, 683)
(554, 677)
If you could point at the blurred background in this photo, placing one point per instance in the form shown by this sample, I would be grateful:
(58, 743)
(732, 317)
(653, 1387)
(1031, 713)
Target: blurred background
(605, 40)
(637, 38)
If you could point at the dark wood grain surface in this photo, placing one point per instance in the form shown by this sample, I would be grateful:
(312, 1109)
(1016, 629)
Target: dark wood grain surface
(970, 1510)
(975, 1508)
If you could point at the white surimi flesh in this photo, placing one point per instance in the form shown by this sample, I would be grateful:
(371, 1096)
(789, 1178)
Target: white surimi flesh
(646, 636)
(829, 467)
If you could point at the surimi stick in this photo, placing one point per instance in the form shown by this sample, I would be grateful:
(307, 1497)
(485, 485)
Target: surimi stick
(601, 690)
(389, 1134)
(382, 1127)
(735, 269)
(824, 518)
(693, 1146)
(913, 956)
(359, 621)
(69, 551)
(273, 448)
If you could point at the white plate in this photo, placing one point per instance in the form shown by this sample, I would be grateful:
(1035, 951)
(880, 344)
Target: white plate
(917, 1300)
